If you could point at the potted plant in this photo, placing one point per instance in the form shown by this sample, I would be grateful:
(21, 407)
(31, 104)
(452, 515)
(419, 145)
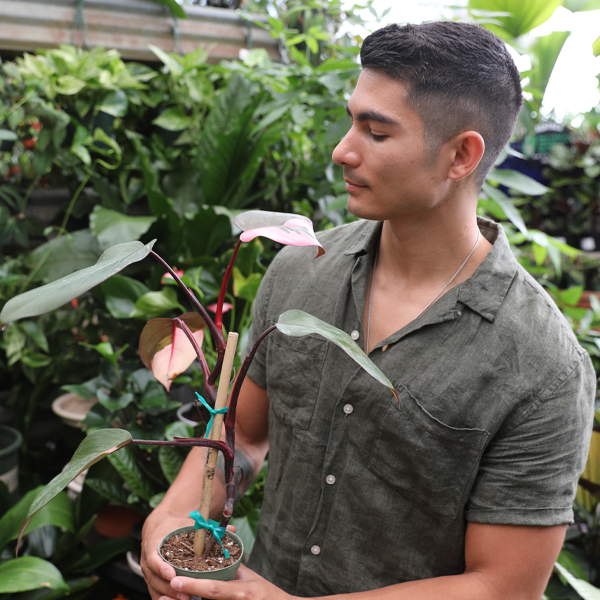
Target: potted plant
(167, 347)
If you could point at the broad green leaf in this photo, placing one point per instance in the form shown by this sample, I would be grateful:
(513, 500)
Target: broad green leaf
(120, 295)
(125, 463)
(98, 554)
(165, 349)
(114, 103)
(546, 50)
(172, 61)
(246, 529)
(294, 230)
(173, 119)
(170, 459)
(35, 360)
(178, 429)
(110, 490)
(29, 573)
(297, 323)
(586, 590)
(510, 210)
(55, 294)
(154, 304)
(64, 255)
(6, 134)
(35, 333)
(517, 181)
(83, 153)
(93, 448)
(69, 85)
(571, 295)
(112, 227)
(86, 390)
(58, 512)
(114, 404)
(245, 287)
(525, 16)
(176, 9)
(581, 5)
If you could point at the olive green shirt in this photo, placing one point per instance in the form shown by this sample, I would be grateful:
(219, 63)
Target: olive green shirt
(493, 423)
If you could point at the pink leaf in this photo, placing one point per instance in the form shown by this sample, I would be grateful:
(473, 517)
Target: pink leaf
(226, 307)
(166, 350)
(167, 275)
(294, 230)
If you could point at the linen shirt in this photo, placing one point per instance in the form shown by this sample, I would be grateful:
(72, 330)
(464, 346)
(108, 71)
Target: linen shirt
(492, 424)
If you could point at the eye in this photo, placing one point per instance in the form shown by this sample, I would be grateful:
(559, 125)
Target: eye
(378, 138)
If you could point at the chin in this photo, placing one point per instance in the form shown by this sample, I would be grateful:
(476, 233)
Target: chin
(363, 210)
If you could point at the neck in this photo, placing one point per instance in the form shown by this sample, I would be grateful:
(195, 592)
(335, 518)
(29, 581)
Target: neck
(428, 247)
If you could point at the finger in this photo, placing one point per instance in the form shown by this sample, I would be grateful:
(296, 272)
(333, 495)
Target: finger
(231, 528)
(207, 588)
(157, 574)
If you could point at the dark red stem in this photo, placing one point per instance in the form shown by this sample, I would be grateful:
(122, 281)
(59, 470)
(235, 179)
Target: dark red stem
(215, 332)
(224, 284)
(235, 393)
(228, 454)
(210, 389)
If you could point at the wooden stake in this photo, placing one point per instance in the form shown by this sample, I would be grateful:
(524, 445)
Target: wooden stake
(215, 434)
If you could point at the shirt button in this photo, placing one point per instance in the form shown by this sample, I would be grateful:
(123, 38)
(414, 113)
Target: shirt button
(348, 408)
(330, 479)
(355, 335)
(316, 550)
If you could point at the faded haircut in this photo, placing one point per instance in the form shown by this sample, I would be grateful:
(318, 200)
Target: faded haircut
(459, 77)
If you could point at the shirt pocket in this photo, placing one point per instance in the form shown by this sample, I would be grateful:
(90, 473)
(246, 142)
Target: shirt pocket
(294, 377)
(424, 459)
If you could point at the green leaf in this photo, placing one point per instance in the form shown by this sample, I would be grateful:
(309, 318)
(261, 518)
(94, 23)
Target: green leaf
(509, 209)
(172, 61)
(101, 552)
(110, 490)
(112, 227)
(246, 529)
(64, 255)
(55, 294)
(517, 181)
(93, 448)
(245, 287)
(35, 333)
(586, 590)
(297, 323)
(596, 47)
(171, 461)
(173, 119)
(58, 512)
(86, 390)
(83, 153)
(6, 134)
(35, 360)
(581, 5)
(525, 16)
(154, 304)
(114, 404)
(30, 573)
(125, 463)
(571, 295)
(176, 9)
(120, 295)
(114, 103)
(69, 85)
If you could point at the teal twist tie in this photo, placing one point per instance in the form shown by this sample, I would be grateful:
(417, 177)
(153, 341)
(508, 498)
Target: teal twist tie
(212, 526)
(212, 411)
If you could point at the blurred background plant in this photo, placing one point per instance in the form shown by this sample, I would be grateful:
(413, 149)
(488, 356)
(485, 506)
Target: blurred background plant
(96, 150)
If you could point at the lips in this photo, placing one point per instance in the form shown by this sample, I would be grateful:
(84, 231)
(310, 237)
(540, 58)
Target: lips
(354, 183)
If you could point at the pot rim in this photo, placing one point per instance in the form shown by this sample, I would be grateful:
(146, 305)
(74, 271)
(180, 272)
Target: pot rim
(233, 536)
(14, 446)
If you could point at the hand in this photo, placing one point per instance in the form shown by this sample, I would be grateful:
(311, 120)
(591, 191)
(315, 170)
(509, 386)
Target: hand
(157, 572)
(247, 584)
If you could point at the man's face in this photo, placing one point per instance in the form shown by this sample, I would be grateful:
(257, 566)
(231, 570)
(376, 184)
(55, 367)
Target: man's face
(389, 172)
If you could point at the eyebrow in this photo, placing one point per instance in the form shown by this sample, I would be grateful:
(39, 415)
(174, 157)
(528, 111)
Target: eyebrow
(372, 115)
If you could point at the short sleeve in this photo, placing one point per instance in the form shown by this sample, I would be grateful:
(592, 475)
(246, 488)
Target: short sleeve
(257, 371)
(528, 474)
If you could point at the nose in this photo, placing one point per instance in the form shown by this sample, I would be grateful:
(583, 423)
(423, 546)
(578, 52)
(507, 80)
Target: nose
(344, 153)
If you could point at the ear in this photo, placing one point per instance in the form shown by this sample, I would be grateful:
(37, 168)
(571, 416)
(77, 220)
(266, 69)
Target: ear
(468, 148)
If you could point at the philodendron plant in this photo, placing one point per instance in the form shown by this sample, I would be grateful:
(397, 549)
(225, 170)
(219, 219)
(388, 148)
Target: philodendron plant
(168, 347)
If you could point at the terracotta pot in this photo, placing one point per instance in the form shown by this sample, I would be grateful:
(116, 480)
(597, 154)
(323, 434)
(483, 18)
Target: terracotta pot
(224, 574)
(115, 520)
(72, 409)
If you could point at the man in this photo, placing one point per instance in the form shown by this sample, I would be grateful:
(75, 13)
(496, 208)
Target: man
(462, 489)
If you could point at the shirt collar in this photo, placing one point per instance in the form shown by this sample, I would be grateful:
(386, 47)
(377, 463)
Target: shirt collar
(485, 290)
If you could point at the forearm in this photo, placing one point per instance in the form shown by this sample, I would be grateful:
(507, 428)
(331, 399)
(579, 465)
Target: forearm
(468, 586)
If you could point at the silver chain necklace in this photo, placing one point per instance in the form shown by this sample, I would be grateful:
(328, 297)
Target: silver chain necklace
(438, 295)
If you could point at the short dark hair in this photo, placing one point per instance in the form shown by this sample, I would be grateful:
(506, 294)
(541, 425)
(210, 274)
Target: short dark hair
(459, 77)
